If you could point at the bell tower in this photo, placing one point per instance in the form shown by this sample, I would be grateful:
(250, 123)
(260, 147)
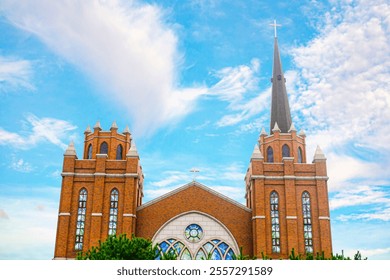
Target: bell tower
(100, 192)
(288, 196)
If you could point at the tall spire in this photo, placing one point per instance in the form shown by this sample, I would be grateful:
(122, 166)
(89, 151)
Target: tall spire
(280, 110)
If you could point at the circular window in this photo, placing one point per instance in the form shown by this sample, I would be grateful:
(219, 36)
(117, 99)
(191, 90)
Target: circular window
(193, 233)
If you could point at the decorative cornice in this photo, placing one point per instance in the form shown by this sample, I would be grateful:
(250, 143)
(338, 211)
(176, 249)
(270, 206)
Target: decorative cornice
(289, 177)
(324, 218)
(108, 175)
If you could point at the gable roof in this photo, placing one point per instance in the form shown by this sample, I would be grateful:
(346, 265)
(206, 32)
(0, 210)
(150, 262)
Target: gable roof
(194, 184)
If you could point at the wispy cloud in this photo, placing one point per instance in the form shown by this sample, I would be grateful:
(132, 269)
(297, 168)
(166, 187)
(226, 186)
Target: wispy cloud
(239, 88)
(345, 88)
(125, 46)
(360, 195)
(231, 176)
(41, 130)
(21, 165)
(15, 74)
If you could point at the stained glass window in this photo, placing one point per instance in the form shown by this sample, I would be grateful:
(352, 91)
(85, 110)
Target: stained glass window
(119, 152)
(307, 226)
(176, 247)
(113, 220)
(89, 154)
(80, 223)
(215, 250)
(270, 155)
(275, 230)
(285, 151)
(193, 233)
(300, 158)
(104, 148)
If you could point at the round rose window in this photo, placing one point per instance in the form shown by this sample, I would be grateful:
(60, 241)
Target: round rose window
(193, 233)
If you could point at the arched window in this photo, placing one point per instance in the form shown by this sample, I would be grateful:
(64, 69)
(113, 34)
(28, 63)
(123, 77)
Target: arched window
(89, 153)
(104, 148)
(275, 230)
(113, 221)
(307, 228)
(81, 213)
(214, 249)
(285, 151)
(270, 154)
(300, 158)
(119, 152)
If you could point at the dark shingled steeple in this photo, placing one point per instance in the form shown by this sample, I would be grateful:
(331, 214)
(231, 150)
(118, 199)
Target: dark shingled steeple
(280, 110)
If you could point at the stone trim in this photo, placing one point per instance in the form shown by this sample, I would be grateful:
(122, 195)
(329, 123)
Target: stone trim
(64, 214)
(291, 217)
(108, 175)
(101, 155)
(324, 218)
(97, 214)
(289, 177)
(129, 215)
(258, 217)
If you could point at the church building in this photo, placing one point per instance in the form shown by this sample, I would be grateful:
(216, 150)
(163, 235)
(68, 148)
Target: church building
(286, 197)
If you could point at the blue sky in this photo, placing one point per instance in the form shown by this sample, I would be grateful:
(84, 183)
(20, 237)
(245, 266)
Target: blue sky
(192, 81)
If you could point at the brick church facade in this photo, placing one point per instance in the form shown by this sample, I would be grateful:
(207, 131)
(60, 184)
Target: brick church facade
(286, 197)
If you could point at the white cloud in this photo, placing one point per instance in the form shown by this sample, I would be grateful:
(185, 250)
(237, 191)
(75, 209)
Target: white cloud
(231, 176)
(374, 252)
(360, 195)
(29, 232)
(42, 129)
(342, 169)
(345, 88)
(21, 165)
(237, 86)
(15, 74)
(125, 46)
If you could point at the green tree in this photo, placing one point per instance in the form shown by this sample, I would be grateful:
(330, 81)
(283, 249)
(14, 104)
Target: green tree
(122, 248)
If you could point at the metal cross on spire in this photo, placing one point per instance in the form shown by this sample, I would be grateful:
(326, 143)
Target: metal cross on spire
(275, 25)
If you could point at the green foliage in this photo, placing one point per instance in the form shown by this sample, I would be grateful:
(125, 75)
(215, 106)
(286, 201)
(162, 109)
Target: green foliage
(317, 256)
(208, 257)
(122, 248)
(242, 257)
(171, 255)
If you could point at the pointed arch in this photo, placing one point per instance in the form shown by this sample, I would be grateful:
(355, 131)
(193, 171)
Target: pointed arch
(307, 225)
(89, 151)
(270, 154)
(275, 223)
(285, 151)
(103, 148)
(119, 152)
(300, 155)
(80, 223)
(113, 220)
